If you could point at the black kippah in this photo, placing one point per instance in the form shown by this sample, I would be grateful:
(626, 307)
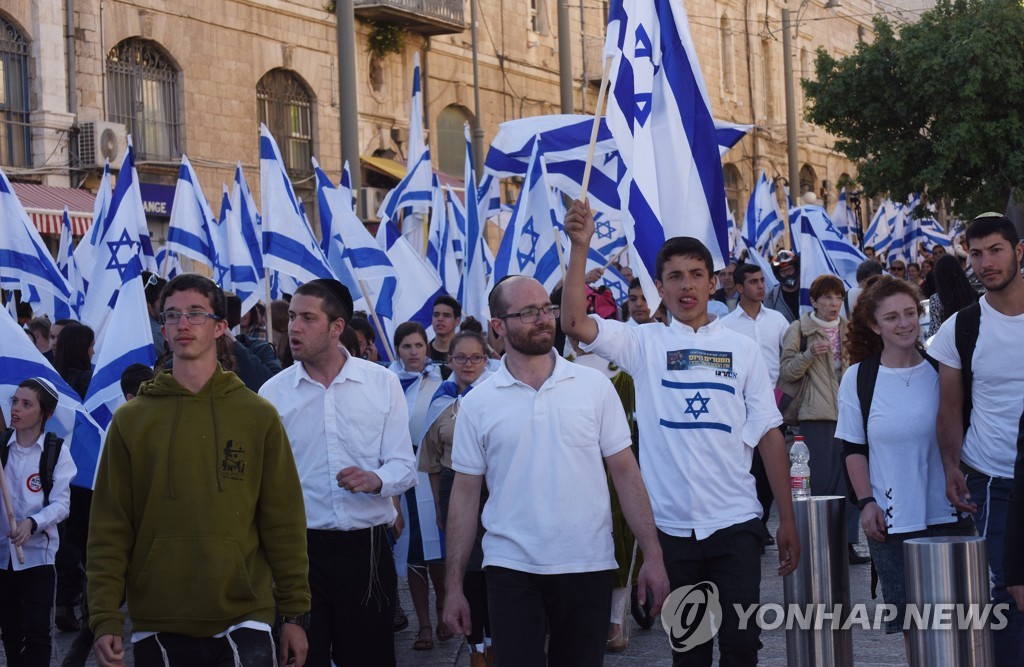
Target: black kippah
(340, 291)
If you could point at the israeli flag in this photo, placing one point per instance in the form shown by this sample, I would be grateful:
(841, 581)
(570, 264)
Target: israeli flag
(659, 114)
(443, 240)
(25, 260)
(288, 242)
(930, 233)
(168, 262)
(116, 252)
(193, 230)
(242, 236)
(845, 219)
(760, 260)
(823, 249)
(473, 290)
(360, 264)
(764, 224)
(489, 194)
(729, 134)
(529, 245)
(19, 361)
(611, 278)
(879, 234)
(87, 244)
(609, 235)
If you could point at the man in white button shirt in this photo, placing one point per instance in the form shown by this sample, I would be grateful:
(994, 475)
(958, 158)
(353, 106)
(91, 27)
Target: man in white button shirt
(347, 422)
(703, 403)
(767, 327)
(541, 430)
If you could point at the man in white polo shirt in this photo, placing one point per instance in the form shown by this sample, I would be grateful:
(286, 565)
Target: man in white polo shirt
(541, 431)
(703, 403)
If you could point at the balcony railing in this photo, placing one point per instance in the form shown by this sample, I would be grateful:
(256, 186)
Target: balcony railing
(430, 17)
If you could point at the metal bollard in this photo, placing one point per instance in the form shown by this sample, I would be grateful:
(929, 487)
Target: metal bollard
(821, 583)
(948, 571)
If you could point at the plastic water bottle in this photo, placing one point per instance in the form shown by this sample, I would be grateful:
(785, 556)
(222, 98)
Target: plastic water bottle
(800, 472)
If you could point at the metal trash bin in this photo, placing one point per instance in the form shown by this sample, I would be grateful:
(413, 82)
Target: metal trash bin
(948, 571)
(820, 583)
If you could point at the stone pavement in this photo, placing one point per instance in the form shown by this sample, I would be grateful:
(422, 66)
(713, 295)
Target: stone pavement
(871, 648)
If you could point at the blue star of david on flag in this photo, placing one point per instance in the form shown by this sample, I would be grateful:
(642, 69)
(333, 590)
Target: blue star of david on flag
(531, 237)
(697, 411)
(124, 241)
(604, 229)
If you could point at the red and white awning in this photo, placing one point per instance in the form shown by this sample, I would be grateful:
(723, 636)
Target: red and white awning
(45, 205)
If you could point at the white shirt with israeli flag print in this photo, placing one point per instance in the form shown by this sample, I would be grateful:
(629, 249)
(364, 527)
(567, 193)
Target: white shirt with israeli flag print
(704, 401)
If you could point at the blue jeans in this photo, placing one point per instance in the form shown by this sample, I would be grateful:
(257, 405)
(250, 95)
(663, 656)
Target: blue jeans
(991, 494)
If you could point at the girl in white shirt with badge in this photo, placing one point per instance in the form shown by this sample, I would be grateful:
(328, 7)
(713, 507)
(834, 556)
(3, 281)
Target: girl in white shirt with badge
(29, 543)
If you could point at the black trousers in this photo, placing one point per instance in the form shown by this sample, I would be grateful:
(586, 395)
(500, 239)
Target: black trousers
(26, 607)
(355, 588)
(474, 587)
(255, 649)
(71, 552)
(731, 559)
(575, 608)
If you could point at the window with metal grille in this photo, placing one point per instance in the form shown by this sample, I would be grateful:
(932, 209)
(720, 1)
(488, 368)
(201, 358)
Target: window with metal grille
(15, 134)
(285, 105)
(142, 93)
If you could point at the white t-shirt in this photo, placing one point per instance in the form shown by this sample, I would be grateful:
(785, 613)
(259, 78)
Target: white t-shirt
(703, 403)
(904, 465)
(990, 444)
(542, 453)
(768, 329)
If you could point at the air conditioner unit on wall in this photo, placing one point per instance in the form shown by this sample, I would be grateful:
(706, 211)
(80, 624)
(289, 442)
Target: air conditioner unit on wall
(370, 200)
(99, 141)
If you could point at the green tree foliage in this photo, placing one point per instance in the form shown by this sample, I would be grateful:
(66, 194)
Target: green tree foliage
(933, 107)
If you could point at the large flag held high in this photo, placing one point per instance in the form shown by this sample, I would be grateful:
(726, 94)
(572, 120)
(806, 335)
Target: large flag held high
(193, 230)
(660, 117)
(19, 361)
(763, 225)
(473, 290)
(530, 244)
(288, 242)
(244, 251)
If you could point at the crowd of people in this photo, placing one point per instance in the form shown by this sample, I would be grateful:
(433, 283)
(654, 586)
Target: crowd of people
(267, 483)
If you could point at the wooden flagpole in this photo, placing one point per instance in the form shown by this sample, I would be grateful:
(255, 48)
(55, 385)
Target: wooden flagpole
(376, 320)
(10, 512)
(598, 113)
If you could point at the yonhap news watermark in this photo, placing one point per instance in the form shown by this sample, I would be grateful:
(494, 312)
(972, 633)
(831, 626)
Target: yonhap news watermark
(692, 615)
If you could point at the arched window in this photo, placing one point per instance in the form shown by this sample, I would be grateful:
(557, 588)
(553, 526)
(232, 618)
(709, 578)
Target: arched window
(285, 105)
(728, 65)
(451, 140)
(733, 189)
(15, 134)
(143, 85)
(808, 180)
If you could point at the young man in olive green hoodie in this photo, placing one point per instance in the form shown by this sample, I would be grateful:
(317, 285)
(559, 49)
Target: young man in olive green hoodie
(197, 514)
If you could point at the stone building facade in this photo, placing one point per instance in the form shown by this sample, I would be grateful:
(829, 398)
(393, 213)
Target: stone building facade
(197, 77)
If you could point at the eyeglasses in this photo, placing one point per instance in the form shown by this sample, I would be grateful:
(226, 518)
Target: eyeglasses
(463, 358)
(194, 317)
(531, 315)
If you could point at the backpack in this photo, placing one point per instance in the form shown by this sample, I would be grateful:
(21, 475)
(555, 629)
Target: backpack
(968, 326)
(47, 460)
(602, 302)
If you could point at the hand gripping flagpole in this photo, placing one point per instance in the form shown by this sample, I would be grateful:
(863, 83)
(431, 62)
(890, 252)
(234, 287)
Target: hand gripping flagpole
(598, 113)
(10, 512)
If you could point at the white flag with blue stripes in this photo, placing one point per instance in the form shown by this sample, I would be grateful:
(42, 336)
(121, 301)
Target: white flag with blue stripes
(879, 233)
(659, 114)
(823, 249)
(473, 290)
(168, 262)
(193, 230)
(288, 242)
(25, 260)
(86, 245)
(845, 219)
(244, 251)
(763, 225)
(443, 241)
(529, 245)
(19, 361)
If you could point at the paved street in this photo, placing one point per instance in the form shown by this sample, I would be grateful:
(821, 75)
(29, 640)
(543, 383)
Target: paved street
(650, 647)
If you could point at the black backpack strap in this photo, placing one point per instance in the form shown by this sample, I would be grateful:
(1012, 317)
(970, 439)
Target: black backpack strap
(968, 325)
(4, 449)
(48, 463)
(867, 374)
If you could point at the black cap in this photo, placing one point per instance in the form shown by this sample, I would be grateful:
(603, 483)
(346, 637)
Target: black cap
(340, 291)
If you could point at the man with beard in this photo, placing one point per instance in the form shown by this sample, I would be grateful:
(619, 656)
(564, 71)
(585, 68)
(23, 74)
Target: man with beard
(541, 430)
(984, 382)
(704, 402)
(348, 425)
